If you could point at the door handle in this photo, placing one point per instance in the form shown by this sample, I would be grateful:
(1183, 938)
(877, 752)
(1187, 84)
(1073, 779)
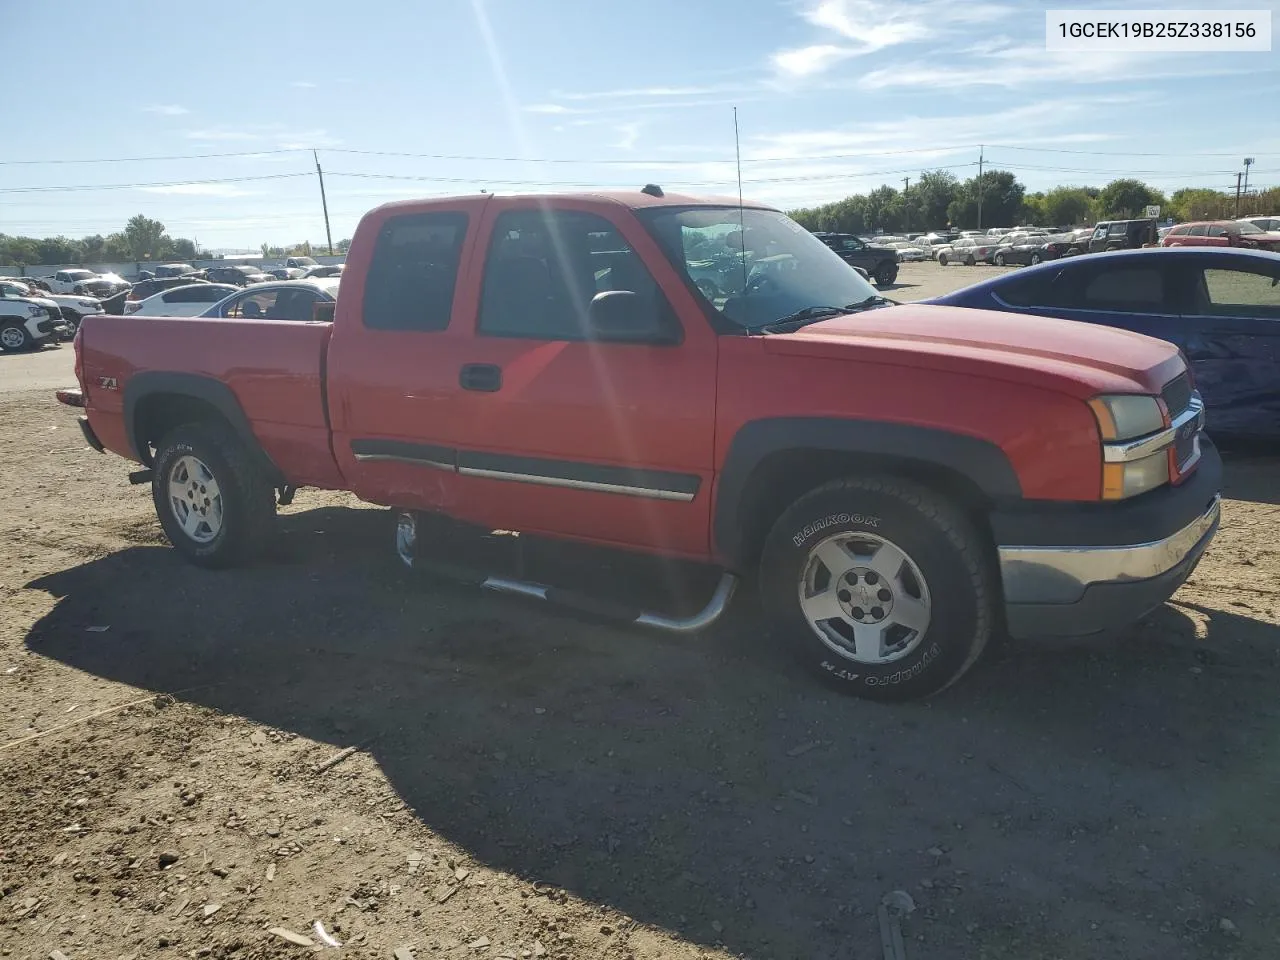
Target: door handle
(484, 377)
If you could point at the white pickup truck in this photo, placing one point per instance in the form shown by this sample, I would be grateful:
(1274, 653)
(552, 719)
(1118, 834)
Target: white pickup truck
(81, 281)
(72, 307)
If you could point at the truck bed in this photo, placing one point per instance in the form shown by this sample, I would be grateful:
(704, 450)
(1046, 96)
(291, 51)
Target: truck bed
(274, 369)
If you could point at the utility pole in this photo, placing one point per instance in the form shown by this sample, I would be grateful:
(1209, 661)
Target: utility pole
(323, 203)
(1248, 162)
(1238, 175)
(906, 207)
(979, 186)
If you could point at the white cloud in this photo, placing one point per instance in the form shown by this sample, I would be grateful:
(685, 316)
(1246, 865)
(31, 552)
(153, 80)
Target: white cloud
(806, 61)
(221, 135)
(855, 28)
(166, 109)
(549, 108)
(200, 190)
(685, 91)
(628, 134)
(302, 84)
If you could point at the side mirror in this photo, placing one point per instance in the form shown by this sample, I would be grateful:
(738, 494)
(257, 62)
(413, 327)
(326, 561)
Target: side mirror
(323, 311)
(623, 315)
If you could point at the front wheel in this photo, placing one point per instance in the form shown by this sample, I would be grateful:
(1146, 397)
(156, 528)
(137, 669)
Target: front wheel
(1000, 261)
(214, 503)
(886, 274)
(881, 586)
(14, 336)
(1036, 258)
(942, 259)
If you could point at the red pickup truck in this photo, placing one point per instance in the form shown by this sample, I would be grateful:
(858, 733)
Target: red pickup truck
(901, 481)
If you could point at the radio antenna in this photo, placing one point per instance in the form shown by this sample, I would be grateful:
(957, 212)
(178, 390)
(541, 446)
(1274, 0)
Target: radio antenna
(742, 234)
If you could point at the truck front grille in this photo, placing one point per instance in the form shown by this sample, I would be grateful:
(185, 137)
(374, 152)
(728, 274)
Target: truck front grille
(1177, 395)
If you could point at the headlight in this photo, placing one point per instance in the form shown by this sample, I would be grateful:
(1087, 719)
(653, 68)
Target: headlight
(1127, 417)
(1123, 480)
(35, 310)
(1136, 443)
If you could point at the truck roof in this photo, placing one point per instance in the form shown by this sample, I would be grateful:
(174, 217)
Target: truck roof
(635, 199)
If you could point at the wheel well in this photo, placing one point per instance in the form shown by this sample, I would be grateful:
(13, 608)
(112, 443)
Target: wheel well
(158, 413)
(783, 477)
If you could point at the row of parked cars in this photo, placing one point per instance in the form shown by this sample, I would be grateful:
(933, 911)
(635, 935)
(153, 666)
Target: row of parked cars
(1008, 246)
(39, 310)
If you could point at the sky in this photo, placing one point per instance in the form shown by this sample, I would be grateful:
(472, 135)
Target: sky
(405, 98)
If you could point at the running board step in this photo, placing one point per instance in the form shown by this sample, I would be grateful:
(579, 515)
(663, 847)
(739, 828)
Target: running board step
(406, 550)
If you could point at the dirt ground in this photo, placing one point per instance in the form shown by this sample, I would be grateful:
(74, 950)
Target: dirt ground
(523, 783)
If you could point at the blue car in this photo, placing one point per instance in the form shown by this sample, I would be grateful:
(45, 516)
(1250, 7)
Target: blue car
(1220, 306)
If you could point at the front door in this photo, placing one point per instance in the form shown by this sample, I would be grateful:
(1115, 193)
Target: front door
(569, 434)
(1231, 315)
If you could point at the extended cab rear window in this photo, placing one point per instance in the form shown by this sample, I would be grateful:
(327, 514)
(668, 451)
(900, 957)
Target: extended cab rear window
(413, 273)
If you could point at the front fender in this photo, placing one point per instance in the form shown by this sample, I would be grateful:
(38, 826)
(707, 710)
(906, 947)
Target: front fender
(980, 461)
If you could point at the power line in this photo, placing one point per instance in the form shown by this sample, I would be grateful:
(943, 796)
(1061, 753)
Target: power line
(164, 183)
(176, 156)
(1111, 153)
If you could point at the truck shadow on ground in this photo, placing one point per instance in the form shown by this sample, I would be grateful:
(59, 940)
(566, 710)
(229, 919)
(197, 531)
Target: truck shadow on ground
(708, 786)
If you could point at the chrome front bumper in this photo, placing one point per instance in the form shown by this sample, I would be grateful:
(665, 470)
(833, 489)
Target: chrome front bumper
(1063, 574)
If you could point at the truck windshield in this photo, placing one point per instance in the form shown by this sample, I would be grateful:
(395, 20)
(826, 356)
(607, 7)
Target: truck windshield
(754, 266)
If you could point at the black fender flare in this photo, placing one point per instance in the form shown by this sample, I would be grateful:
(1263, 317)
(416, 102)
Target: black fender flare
(199, 387)
(981, 461)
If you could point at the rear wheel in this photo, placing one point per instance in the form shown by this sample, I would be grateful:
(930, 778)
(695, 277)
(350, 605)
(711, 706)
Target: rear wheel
(1000, 260)
(1036, 258)
(212, 500)
(14, 337)
(881, 586)
(886, 273)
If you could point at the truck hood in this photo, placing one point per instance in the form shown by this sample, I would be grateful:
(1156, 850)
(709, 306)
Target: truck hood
(1082, 359)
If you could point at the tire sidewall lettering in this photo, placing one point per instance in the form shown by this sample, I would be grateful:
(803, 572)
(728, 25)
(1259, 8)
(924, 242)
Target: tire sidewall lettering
(834, 520)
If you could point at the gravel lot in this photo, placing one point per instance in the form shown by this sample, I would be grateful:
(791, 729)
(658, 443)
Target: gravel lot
(527, 783)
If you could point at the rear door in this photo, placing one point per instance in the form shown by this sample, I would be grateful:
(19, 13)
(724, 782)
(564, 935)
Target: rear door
(399, 340)
(1132, 293)
(1231, 314)
(1216, 236)
(564, 434)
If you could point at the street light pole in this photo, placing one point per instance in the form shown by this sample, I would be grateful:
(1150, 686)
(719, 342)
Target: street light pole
(323, 203)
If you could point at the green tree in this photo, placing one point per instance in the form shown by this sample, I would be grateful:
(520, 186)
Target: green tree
(931, 195)
(59, 250)
(146, 239)
(93, 249)
(1001, 201)
(1126, 198)
(883, 209)
(18, 251)
(182, 249)
(117, 247)
(1068, 205)
(1200, 203)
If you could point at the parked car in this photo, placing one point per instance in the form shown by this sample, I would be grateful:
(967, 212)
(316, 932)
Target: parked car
(1122, 235)
(1269, 224)
(1221, 306)
(880, 262)
(300, 263)
(237, 274)
(186, 300)
(901, 481)
(1015, 248)
(323, 270)
(165, 270)
(931, 244)
(286, 273)
(68, 306)
(999, 231)
(149, 288)
(907, 251)
(281, 300)
(1221, 233)
(26, 324)
(966, 250)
